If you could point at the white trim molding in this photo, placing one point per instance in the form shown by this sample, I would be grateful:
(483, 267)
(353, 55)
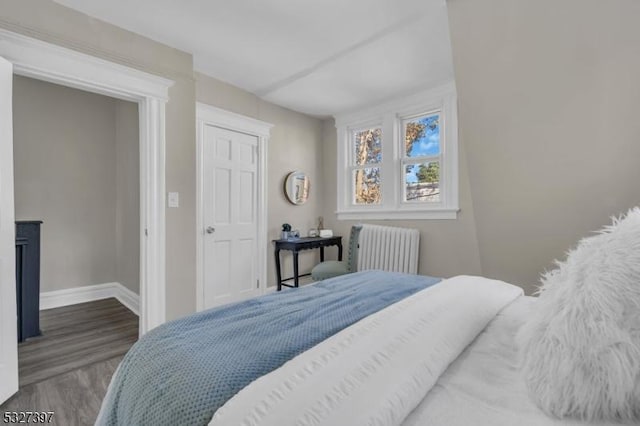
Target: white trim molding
(434, 214)
(232, 121)
(8, 314)
(210, 115)
(152, 213)
(389, 117)
(45, 61)
(90, 293)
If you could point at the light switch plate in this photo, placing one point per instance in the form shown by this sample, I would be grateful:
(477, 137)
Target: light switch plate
(174, 199)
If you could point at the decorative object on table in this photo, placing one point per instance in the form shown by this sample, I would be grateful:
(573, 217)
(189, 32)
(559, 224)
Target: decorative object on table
(296, 187)
(320, 223)
(286, 228)
(313, 232)
(326, 233)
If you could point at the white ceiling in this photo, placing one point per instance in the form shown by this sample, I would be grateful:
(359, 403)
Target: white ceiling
(320, 57)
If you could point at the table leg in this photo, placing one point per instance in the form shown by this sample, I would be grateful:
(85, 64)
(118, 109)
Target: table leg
(295, 268)
(278, 273)
(340, 252)
(321, 254)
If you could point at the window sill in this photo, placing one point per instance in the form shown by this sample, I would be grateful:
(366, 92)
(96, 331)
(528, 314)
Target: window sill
(433, 214)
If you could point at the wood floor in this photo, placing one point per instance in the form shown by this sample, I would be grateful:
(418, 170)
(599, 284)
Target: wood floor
(74, 397)
(68, 368)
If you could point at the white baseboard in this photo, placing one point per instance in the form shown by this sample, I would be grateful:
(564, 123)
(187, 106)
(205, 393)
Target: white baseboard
(128, 298)
(72, 296)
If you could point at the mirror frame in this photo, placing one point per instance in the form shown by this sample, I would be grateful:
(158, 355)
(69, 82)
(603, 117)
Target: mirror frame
(306, 187)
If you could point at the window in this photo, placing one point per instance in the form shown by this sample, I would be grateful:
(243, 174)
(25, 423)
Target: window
(367, 158)
(399, 160)
(421, 159)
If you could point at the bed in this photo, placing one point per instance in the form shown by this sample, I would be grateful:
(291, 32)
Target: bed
(484, 385)
(412, 351)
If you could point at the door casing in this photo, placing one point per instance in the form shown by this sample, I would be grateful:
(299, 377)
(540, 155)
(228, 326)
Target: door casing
(49, 62)
(210, 115)
(8, 329)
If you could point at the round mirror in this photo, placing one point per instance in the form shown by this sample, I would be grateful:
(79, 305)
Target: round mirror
(296, 187)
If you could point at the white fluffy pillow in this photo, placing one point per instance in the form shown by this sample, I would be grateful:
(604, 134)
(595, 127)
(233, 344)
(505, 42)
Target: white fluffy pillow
(581, 348)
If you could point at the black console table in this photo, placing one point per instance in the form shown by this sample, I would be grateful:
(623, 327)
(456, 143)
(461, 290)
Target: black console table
(28, 278)
(297, 245)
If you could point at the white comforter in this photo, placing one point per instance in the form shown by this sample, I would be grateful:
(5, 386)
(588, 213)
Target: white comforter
(377, 371)
(484, 385)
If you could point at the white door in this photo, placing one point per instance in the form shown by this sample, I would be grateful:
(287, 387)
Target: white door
(8, 319)
(230, 216)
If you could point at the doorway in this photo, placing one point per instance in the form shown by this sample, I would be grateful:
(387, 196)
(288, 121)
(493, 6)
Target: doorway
(231, 205)
(76, 198)
(29, 57)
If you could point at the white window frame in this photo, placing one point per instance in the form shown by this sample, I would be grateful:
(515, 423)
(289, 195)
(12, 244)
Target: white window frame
(392, 115)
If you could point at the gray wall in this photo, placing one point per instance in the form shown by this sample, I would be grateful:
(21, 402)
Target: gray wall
(75, 158)
(127, 223)
(296, 140)
(548, 111)
(51, 22)
(548, 95)
(549, 136)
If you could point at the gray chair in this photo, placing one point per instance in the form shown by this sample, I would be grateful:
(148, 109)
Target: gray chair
(334, 268)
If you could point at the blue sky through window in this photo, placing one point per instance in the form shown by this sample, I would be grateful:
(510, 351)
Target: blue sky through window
(427, 145)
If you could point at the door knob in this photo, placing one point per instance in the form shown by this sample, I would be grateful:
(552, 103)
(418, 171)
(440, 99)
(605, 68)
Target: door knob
(210, 229)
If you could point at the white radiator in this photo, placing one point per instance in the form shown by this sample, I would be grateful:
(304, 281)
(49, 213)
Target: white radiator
(388, 248)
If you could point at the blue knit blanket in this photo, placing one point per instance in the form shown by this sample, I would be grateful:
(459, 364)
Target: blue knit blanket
(181, 372)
